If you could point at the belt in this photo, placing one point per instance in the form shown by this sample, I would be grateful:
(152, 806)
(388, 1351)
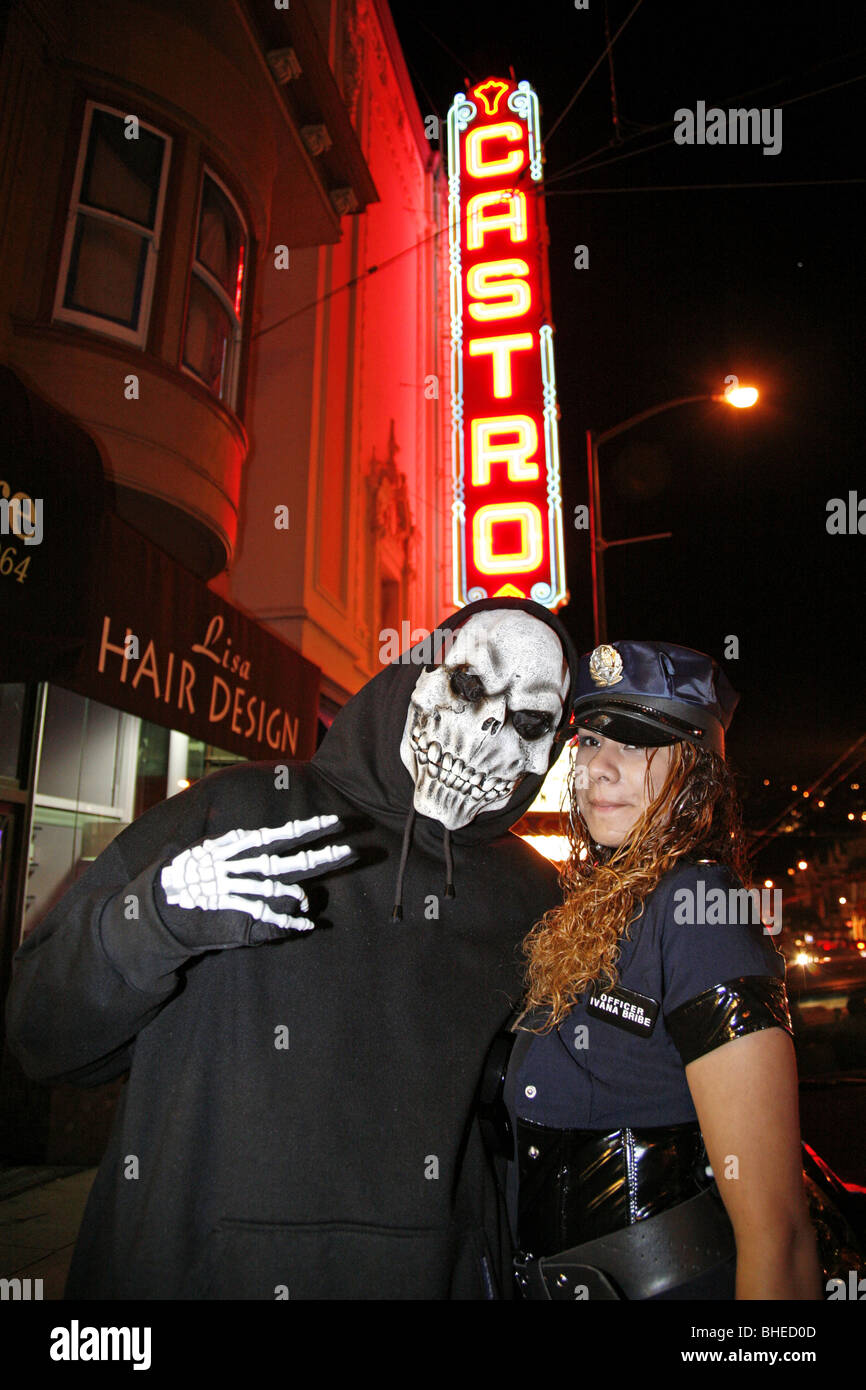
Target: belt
(641, 1261)
(578, 1185)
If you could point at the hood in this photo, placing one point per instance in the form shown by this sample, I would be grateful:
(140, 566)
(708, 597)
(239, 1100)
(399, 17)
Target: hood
(360, 754)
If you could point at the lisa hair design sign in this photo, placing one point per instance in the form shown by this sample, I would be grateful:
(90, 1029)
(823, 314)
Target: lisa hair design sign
(507, 505)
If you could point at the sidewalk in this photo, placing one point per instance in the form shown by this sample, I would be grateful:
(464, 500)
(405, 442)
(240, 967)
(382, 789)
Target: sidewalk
(38, 1225)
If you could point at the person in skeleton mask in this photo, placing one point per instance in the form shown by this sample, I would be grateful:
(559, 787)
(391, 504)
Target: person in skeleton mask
(302, 1113)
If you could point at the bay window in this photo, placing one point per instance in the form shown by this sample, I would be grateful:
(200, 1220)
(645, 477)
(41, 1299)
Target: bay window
(112, 233)
(212, 333)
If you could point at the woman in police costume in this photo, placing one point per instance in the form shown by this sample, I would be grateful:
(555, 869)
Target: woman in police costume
(651, 1092)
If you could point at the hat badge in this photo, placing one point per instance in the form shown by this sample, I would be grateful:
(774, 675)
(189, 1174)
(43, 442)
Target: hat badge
(605, 666)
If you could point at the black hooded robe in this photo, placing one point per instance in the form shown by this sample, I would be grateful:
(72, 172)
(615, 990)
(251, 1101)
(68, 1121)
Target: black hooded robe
(298, 1118)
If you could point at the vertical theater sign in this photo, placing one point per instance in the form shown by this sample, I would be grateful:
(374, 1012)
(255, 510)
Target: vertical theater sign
(507, 499)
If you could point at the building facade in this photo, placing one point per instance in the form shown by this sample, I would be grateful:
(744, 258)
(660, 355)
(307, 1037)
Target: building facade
(222, 330)
(357, 455)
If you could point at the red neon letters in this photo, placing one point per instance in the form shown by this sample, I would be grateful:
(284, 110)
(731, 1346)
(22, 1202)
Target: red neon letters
(508, 529)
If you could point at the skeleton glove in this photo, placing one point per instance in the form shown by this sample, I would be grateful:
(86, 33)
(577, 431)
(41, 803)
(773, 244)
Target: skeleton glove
(211, 903)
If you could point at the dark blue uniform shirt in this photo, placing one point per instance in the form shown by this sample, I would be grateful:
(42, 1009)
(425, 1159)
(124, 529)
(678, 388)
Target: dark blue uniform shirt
(591, 1073)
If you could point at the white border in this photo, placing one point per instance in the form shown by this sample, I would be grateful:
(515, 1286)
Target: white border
(95, 322)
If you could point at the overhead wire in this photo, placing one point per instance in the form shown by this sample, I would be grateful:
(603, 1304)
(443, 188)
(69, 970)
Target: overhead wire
(701, 187)
(739, 96)
(352, 282)
(584, 167)
(431, 103)
(614, 159)
(451, 54)
(614, 102)
(593, 70)
(355, 280)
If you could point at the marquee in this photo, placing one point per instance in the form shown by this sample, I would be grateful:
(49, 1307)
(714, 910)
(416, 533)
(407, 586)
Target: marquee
(507, 508)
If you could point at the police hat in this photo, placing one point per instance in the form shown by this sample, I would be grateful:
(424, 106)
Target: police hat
(654, 693)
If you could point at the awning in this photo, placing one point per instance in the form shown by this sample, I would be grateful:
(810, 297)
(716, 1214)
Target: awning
(54, 470)
(103, 611)
(195, 662)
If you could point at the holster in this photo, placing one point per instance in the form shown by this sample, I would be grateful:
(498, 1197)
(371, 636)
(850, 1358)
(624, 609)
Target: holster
(640, 1261)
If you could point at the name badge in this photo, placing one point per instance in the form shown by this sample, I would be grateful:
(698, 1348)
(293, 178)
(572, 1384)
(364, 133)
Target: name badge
(625, 1008)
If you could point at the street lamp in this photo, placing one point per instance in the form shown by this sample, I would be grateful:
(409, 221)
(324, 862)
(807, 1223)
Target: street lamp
(741, 397)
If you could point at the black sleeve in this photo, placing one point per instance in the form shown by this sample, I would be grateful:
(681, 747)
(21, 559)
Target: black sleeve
(723, 976)
(102, 963)
(727, 1011)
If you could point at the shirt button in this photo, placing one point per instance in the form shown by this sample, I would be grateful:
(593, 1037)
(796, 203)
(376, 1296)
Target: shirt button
(532, 1151)
(530, 1092)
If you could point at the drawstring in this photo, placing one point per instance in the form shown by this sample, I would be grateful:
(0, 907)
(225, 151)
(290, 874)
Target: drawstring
(397, 910)
(449, 866)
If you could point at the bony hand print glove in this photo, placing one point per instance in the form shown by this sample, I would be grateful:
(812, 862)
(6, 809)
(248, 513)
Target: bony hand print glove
(213, 904)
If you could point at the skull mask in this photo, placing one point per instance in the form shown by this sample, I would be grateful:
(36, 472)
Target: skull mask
(486, 717)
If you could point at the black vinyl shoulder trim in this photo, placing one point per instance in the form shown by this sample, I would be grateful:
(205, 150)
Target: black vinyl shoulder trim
(727, 1011)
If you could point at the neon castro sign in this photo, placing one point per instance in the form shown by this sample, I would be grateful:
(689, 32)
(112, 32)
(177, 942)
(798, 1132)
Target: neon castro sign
(507, 506)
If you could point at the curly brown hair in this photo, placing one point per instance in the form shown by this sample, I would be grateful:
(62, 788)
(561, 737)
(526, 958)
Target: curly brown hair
(696, 814)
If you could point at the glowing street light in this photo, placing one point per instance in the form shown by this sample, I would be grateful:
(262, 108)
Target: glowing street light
(741, 397)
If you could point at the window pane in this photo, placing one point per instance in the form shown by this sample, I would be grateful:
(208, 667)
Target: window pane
(11, 721)
(106, 271)
(79, 748)
(152, 766)
(205, 758)
(60, 764)
(63, 845)
(122, 175)
(208, 337)
(221, 241)
(99, 766)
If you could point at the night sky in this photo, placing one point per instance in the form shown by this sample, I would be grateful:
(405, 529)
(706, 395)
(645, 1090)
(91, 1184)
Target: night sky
(684, 287)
